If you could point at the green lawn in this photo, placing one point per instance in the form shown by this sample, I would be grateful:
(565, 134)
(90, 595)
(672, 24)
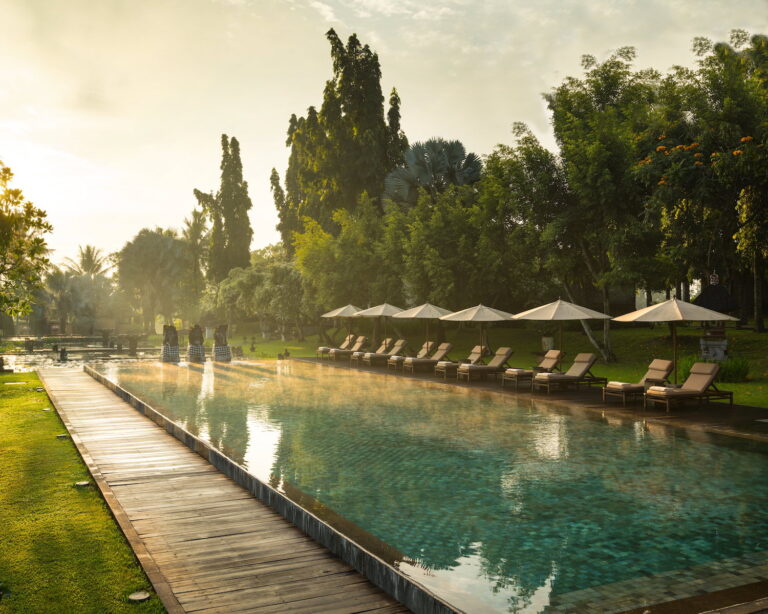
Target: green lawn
(634, 347)
(61, 550)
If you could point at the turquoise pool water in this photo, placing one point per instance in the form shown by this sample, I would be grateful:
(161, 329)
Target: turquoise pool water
(495, 503)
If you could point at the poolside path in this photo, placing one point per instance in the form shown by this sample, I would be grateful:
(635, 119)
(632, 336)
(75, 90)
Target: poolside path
(206, 544)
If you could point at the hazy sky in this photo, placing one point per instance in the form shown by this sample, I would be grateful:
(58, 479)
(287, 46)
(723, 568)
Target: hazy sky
(111, 111)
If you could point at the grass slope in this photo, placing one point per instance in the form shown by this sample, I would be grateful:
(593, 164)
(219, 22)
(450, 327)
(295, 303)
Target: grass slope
(61, 550)
(634, 347)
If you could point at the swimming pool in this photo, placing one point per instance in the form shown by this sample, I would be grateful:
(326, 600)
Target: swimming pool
(492, 502)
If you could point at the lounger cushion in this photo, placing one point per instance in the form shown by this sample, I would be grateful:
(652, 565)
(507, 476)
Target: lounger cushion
(624, 386)
(555, 376)
(444, 363)
(468, 367)
(518, 372)
(396, 358)
(323, 350)
(665, 391)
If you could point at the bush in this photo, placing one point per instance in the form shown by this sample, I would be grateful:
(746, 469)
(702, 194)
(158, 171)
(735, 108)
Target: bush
(734, 369)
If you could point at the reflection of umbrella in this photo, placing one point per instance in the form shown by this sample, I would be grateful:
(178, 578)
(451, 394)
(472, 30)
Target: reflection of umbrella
(427, 312)
(478, 313)
(385, 310)
(674, 311)
(560, 310)
(342, 312)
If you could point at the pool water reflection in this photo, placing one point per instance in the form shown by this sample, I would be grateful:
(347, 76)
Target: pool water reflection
(495, 504)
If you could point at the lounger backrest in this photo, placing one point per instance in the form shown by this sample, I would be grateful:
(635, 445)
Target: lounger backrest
(581, 365)
(384, 346)
(442, 351)
(475, 355)
(398, 347)
(502, 356)
(425, 349)
(359, 344)
(701, 377)
(551, 359)
(347, 342)
(658, 370)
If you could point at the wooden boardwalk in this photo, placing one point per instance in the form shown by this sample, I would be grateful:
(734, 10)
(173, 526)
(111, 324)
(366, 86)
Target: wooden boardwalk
(206, 544)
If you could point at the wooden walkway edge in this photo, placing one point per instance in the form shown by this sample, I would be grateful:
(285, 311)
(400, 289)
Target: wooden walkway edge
(205, 543)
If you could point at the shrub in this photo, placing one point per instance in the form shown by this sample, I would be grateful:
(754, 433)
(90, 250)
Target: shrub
(735, 369)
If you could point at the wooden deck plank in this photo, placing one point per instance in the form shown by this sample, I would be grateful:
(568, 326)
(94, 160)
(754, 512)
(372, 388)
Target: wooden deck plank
(208, 544)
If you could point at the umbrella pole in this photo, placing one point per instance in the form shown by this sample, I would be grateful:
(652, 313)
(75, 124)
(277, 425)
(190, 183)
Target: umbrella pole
(561, 336)
(674, 348)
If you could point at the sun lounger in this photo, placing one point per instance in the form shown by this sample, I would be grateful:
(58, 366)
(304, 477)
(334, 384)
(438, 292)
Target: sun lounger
(449, 367)
(396, 361)
(699, 386)
(579, 374)
(548, 364)
(338, 353)
(496, 365)
(372, 359)
(324, 351)
(425, 364)
(357, 357)
(657, 375)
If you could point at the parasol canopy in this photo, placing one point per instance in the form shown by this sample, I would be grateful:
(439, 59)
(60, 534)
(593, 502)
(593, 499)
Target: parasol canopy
(427, 312)
(560, 310)
(342, 312)
(383, 310)
(674, 311)
(478, 313)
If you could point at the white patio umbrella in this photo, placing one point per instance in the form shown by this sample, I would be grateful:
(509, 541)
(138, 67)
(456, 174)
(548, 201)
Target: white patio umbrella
(478, 313)
(674, 311)
(426, 312)
(560, 310)
(384, 311)
(347, 311)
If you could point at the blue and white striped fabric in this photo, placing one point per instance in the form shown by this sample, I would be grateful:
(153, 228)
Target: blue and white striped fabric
(196, 353)
(170, 353)
(222, 353)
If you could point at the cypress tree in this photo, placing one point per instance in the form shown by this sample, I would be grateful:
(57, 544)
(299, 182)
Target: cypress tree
(231, 233)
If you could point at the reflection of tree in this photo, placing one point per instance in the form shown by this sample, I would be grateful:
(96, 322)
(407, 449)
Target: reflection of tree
(451, 478)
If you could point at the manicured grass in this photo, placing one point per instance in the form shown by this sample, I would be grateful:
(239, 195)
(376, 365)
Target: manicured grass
(61, 550)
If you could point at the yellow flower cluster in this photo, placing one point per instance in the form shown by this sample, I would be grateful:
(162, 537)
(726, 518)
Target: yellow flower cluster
(698, 155)
(663, 181)
(737, 152)
(697, 163)
(746, 139)
(660, 148)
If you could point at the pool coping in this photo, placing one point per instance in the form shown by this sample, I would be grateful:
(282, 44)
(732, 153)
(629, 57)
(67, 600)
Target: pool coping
(406, 590)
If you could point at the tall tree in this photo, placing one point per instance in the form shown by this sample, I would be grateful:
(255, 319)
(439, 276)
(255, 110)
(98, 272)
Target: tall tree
(195, 236)
(23, 251)
(231, 233)
(90, 261)
(344, 150)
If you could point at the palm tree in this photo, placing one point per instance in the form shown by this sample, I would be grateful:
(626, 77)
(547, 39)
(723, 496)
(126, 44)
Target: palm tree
(432, 165)
(58, 285)
(90, 262)
(195, 235)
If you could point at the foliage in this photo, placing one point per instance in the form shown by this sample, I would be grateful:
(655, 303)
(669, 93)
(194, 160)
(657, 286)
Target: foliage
(90, 261)
(432, 166)
(231, 233)
(23, 251)
(151, 270)
(344, 150)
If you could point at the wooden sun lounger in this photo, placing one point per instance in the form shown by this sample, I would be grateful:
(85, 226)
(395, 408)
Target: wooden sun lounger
(578, 375)
(372, 359)
(324, 351)
(449, 367)
(548, 364)
(495, 366)
(700, 386)
(338, 353)
(357, 357)
(413, 365)
(657, 375)
(396, 361)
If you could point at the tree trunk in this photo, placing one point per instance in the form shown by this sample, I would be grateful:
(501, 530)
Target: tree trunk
(679, 290)
(648, 297)
(607, 349)
(585, 326)
(299, 331)
(757, 271)
(667, 293)
(686, 291)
